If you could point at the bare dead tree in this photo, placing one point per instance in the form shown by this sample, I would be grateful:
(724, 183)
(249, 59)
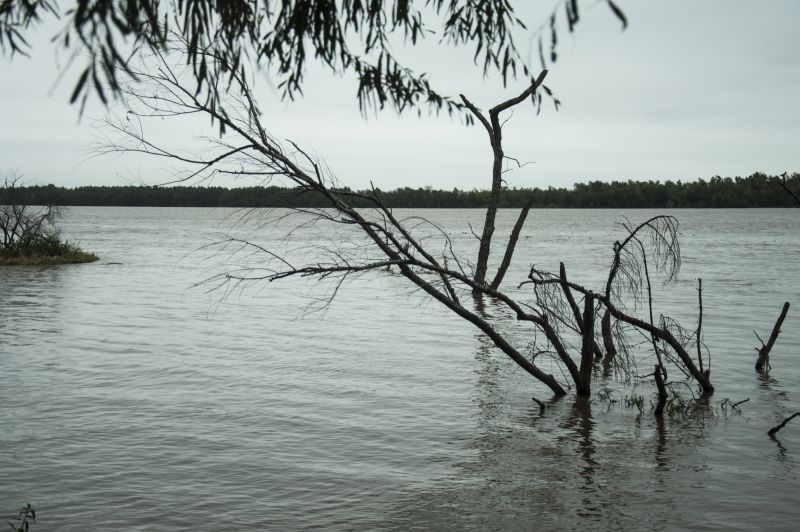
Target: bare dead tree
(494, 128)
(561, 318)
(248, 149)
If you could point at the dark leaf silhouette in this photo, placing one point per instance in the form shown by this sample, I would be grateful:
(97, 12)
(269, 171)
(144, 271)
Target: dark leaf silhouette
(282, 37)
(618, 13)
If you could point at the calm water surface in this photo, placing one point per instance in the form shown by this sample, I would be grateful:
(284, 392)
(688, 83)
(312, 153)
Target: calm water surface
(130, 400)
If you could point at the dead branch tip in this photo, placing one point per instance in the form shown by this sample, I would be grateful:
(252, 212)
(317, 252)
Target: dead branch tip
(782, 424)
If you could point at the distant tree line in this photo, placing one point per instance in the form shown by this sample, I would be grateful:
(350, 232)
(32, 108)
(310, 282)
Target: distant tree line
(757, 190)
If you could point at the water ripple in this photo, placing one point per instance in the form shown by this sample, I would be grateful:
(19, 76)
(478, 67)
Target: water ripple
(131, 402)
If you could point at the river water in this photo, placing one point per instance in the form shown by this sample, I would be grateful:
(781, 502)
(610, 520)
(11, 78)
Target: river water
(132, 398)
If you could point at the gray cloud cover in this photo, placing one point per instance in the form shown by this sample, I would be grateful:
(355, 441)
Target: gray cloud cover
(691, 89)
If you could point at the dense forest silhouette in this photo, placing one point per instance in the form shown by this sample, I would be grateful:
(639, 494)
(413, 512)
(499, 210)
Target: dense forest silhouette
(757, 190)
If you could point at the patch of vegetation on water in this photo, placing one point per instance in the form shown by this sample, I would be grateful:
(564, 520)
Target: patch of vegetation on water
(44, 250)
(29, 234)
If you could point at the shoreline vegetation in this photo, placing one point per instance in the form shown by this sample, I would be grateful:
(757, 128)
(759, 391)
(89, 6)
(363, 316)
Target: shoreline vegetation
(48, 250)
(29, 234)
(757, 190)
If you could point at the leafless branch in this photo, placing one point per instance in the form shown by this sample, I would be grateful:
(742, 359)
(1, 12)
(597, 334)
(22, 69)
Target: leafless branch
(763, 353)
(782, 424)
(494, 129)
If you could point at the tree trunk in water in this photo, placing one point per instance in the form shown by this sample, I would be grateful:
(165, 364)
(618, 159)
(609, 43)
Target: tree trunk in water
(700, 325)
(608, 338)
(512, 244)
(491, 214)
(763, 353)
(662, 391)
(584, 384)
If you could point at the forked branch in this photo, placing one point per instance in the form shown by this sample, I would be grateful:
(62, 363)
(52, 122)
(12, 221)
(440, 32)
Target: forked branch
(494, 128)
(762, 362)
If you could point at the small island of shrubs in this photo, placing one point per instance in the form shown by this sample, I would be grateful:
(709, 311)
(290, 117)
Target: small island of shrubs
(29, 234)
(44, 250)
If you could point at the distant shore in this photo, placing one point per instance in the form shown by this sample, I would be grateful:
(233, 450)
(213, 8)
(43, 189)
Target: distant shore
(757, 190)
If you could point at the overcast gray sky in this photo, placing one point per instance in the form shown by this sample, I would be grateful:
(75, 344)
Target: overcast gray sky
(691, 89)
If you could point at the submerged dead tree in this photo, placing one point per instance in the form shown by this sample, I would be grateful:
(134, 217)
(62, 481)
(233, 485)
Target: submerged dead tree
(561, 318)
(248, 149)
(762, 362)
(628, 282)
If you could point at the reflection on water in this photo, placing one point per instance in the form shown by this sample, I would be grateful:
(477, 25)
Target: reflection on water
(578, 465)
(581, 422)
(124, 405)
